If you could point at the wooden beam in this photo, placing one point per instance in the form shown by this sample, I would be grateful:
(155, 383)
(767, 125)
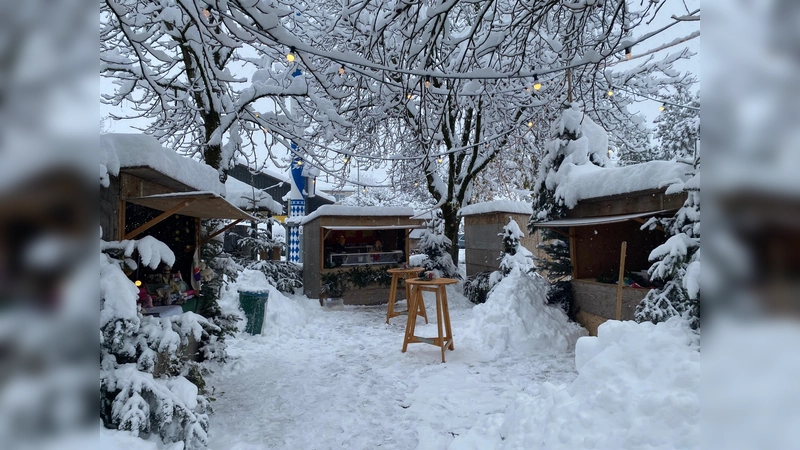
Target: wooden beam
(218, 232)
(573, 252)
(120, 232)
(159, 219)
(621, 280)
(556, 230)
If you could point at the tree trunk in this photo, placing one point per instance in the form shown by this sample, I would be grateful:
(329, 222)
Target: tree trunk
(451, 225)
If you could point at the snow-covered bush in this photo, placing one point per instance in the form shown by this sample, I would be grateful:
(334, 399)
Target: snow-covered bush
(435, 245)
(516, 317)
(284, 275)
(677, 261)
(134, 347)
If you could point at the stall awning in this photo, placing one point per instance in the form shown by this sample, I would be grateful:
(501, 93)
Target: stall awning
(579, 222)
(203, 205)
(200, 204)
(371, 227)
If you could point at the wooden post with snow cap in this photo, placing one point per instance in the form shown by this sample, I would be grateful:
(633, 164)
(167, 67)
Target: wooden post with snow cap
(621, 281)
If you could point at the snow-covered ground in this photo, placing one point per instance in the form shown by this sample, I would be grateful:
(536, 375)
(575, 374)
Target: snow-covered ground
(337, 379)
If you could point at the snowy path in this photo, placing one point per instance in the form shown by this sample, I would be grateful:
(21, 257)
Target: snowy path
(341, 381)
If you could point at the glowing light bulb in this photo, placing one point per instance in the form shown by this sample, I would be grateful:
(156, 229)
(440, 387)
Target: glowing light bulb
(530, 124)
(341, 70)
(662, 107)
(610, 93)
(527, 89)
(408, 96)
(257, 115)
(290, 55)
(427, 81)
(536, 84)
(628, 54)
(364, 190)
(345, 159)
(416, 184)
(440, 160)
(137, 283)
(300, 163)
(206, 13)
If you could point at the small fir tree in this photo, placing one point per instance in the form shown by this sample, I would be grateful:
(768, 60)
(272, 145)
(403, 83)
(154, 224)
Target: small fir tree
(677, 261)
(558, 268)
(436, 246)
(139, 391)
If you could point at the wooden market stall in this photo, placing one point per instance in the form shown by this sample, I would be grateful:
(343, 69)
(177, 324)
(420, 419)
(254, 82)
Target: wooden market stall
(483, 224)
(596, 227)
(357, 244)
(153, 191)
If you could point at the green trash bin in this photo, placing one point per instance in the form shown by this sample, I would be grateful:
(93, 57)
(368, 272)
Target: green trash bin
(254, 304)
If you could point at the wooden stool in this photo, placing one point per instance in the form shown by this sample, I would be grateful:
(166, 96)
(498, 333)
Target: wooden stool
(439, 286)
(405, 273)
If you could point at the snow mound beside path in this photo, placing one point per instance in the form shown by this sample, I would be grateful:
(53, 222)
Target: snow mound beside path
(517, 318)
(638, 387)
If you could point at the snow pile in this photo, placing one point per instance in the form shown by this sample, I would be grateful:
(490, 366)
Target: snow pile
(121, 150)
(283, 315)
(247, 197)
(516, 318)
(638, 387)
(579, 182)
(507, 206)
(359, 211)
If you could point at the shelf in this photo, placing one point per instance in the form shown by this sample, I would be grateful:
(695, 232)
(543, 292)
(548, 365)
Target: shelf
(365, 259)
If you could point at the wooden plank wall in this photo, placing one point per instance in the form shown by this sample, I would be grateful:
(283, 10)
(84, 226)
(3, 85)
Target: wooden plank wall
(597, 248)
(600, 299)
(484, 245)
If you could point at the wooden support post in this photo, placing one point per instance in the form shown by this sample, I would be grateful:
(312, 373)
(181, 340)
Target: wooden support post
(159, 218)
(573, 252)
(218, 232)
(621, 281)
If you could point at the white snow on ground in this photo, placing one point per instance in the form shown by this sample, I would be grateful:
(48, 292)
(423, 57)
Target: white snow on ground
(638, 387)
(337, 379)
(516, 318)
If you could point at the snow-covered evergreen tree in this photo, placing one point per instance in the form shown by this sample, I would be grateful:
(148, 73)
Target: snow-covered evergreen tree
(677, 261)
(557, 267)
(678, 127)
(514, 254)
(435, 245)
(132, 395)
(577, 141)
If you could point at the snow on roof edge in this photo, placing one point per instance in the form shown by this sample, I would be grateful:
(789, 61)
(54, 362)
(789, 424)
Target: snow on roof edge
(507, 206)
(339, 210)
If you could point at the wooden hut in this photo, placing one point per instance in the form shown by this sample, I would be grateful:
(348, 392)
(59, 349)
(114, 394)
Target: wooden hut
(153, 191)
(483, 224)
(341, 241)
(604, 217)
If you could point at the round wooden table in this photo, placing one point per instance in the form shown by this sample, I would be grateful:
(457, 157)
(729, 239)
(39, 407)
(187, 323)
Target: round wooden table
(404, 274)
(438, 286)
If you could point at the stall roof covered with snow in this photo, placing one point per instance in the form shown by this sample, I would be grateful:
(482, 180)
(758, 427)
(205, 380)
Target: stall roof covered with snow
(483, 224)
(607, 206)
(151, 190)
(352, 241)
